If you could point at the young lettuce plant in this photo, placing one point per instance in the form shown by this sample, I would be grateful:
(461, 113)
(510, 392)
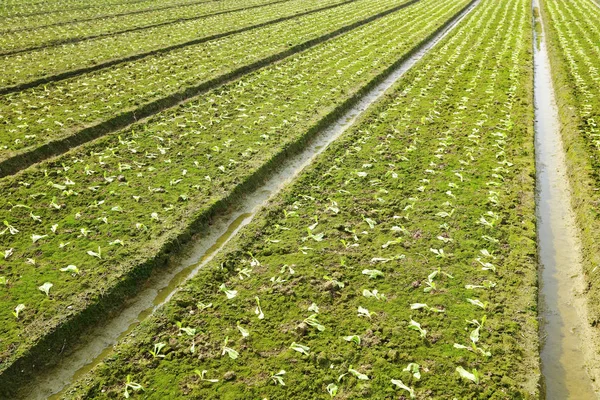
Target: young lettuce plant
(312, 321)
(278, 378)
(202, 306)
(202, 376)
(414, 369)
(363, 312)
(372, 273)
(300, 348)
(336, 284)
(35, 238)
(136, 387)
(473, 377)
(485, 285)
(94, 254)
(7, 253)
(332, 389)
(418, 306)
(353, 338)
(243, 331)
(187, 330)
(156, 351)
(45, 288)
(11, 229)
(357, 374)
(401, 385)
(258, 310)
(18, 310)
(314, 308)
(478, 303)
(229, 351)
(71, 268)
(229, 293)
(373, 293)
(414, 325)
(430, 282)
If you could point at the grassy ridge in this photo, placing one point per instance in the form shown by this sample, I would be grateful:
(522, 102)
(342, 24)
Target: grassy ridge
(121, 201)
(429, 201)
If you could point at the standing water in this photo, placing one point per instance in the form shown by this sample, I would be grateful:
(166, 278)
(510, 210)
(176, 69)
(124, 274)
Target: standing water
(562, 307)
(97, 344)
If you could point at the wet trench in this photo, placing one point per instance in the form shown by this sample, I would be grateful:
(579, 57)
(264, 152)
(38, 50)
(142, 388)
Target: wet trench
(562, 307)
(98, 343)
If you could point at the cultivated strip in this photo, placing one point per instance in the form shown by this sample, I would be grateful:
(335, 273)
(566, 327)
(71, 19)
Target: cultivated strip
(199, 156)
(30, 40)
(97, 344)
(35, 14)
(43, 122)
(22, 23)
(24, 71)
(402, 263)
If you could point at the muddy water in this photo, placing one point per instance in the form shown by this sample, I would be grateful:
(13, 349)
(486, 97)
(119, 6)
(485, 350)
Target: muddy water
(97, 345)
(562, 307)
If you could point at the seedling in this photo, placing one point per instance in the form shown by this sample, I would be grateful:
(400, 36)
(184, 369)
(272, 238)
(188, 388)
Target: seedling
(229, 351)
(156, 351)
(45, 288)
(401, 385)
(414, 325)
(18, 310)
(473, 377)
(300, 348)
(202, 376)
(136, 387)
(278, 378)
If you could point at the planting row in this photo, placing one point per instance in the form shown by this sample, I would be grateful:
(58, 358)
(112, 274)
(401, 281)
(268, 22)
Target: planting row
(26, 39)
(31, 14)
(77, 226)
(36, 116)
(574, 34)
(36, 64)
(401, 264)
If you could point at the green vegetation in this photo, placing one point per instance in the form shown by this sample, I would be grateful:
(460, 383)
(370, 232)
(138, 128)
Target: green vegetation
(401, 263)
(59, 110)
(106, 212)
(24, 67)
(24, 38)
(573, 35)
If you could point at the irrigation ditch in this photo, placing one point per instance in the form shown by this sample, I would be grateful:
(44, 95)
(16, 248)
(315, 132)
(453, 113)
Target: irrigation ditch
(567, 353)
(95, 343)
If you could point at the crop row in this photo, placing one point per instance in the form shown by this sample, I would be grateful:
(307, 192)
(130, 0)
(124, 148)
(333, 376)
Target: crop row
(27, 39)
(33, 14)
(574, 34)
(59, 110)
(402, 263)
(77, 226)
(24, 67)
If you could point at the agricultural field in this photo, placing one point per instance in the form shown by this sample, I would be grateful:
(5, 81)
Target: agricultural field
(405, 260)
